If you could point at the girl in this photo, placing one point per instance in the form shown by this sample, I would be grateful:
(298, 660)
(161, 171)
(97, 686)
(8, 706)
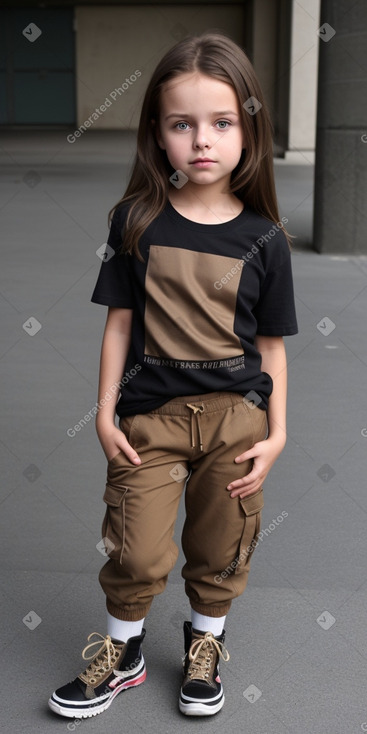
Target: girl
(197, 279)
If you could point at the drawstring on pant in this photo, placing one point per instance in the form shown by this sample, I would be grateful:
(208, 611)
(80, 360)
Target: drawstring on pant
(197, 410)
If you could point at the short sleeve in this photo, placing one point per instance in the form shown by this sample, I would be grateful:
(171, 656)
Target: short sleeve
(275, 311)
(114, 284)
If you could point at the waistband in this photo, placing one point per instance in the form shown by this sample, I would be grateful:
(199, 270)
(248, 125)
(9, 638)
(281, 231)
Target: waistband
(208, 403)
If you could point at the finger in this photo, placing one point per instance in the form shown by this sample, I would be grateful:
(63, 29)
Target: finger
(252, 476)
(246, 487)
(249, 491)
(250, 454)
(129, 452)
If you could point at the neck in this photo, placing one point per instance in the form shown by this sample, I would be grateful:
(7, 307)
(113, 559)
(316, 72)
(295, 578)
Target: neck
(205, 199)
(203, 204)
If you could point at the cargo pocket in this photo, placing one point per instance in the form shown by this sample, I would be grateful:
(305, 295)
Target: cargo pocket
(113, 526)
(251, 507)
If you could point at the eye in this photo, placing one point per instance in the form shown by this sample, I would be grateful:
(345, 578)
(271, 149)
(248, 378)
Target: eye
(223, 124)
(182, 126)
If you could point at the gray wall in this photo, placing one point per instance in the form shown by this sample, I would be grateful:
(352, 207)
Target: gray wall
(113, 42)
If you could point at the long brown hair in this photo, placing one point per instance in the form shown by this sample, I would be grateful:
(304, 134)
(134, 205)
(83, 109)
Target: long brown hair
(217, 56)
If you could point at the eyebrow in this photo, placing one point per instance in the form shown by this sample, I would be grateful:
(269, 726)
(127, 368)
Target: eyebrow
(215, 114)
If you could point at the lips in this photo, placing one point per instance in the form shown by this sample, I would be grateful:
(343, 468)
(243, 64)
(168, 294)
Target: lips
(203, 160)
(202, 163)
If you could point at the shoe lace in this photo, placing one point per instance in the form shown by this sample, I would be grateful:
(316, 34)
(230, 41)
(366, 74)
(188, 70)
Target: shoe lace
(102, 660)
(201, 655)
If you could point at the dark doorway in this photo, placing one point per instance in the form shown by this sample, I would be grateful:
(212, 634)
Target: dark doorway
(37, 77)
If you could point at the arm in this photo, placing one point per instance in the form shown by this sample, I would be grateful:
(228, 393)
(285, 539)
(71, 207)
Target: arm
(115, 346)
(264, 453)
(274, 362)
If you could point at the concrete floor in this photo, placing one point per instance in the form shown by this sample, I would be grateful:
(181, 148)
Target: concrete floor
(297, 637)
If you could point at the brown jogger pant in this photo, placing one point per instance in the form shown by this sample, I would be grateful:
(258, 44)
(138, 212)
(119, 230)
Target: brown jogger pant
(190, 440)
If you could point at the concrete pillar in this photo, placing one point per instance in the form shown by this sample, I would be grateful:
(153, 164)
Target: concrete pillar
(264, 48)
(303, 81)
(340, 200)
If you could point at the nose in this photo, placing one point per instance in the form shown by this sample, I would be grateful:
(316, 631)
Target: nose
(202, 138)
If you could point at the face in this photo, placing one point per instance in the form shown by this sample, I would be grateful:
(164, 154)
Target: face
(200, 128)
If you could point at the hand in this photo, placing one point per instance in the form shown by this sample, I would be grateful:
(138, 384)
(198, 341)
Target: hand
(264, 455)
(113, 441)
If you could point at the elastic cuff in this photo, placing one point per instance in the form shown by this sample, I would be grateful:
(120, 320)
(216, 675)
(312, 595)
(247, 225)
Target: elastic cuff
(132, 613)
(212, 610)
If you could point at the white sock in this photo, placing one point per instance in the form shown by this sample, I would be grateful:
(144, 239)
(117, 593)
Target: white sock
(119, 629)
(207, 624)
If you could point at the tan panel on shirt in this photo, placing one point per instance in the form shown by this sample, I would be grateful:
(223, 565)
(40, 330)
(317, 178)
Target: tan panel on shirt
(186, 316)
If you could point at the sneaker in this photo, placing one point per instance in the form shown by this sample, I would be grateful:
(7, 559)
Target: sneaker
(115, 667)
(201, 691)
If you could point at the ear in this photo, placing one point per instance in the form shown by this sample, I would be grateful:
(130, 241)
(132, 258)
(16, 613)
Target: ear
(157, 133)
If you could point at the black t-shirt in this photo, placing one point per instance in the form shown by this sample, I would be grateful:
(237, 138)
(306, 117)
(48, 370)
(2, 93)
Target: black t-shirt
(199, 298)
